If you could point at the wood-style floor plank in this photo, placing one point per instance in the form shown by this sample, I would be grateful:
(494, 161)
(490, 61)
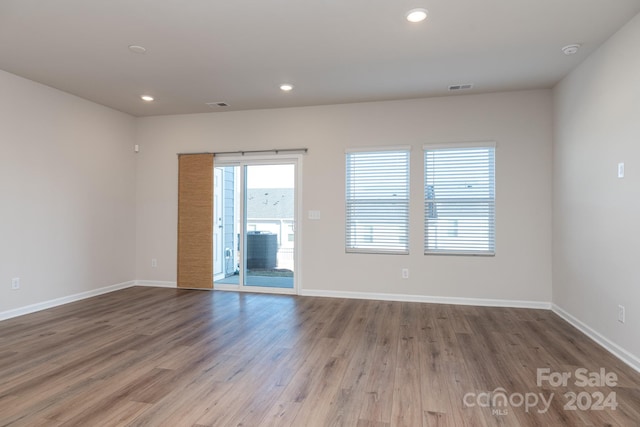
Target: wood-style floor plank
(166, 357)
(378, 398)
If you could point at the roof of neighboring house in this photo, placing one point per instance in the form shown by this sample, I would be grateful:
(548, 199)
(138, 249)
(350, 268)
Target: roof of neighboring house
(263, 203)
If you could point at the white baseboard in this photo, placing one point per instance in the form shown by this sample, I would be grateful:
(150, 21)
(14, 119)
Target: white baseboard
(156, 284)
(63, 300)
(608, 345)
(428, 299)
(622, 354)
(386, 297)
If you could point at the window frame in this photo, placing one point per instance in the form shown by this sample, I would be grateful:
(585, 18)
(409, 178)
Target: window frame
(431, 203)
(352, 245)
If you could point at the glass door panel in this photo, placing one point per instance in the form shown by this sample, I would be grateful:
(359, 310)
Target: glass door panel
(227, 245)
(269, 225)
(256, 211)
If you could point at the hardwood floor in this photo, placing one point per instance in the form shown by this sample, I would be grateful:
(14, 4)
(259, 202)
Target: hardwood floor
(165, 357)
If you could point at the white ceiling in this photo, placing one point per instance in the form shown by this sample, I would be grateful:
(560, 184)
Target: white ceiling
(333, 51)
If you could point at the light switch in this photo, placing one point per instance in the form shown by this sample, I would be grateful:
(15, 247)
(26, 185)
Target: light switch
(314, 215)
(620, 170)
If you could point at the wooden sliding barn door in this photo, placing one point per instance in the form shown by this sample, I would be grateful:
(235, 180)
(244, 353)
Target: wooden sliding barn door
(195, 221)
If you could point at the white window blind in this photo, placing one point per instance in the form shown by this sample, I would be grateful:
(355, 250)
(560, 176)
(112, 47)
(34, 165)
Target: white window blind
(377, 201)
(459, 199)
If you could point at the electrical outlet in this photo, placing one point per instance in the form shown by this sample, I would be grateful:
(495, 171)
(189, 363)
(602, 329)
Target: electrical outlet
(154, 262)
(405, 273)
(15, 283)
(621, 313)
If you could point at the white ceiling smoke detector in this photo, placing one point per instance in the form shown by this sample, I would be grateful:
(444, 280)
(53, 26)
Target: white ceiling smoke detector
(571, 49)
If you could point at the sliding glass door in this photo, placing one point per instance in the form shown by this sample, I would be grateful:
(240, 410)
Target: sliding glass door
(269, 225)
(256, 223)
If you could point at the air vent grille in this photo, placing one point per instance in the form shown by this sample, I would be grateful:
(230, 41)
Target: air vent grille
(465, 86)
(217, 104)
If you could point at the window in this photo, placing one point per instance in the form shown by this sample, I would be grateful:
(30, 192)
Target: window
(459, 199)
(377, 201)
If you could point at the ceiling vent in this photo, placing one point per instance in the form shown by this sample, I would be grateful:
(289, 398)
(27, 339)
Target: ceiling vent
(217, 104)
(466, 86)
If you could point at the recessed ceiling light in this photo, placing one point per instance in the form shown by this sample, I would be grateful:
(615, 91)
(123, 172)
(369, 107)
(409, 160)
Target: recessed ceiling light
(137, 49)
(147, 98)
(417, 15)
(571, 49)
(286, 87)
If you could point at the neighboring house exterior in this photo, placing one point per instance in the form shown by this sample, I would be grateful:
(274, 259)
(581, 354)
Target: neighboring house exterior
(271, 210)
(268, 210)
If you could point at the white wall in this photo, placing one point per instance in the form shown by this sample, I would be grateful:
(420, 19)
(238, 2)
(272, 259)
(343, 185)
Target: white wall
(67, 211)
(520, 123)
(596, 215)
